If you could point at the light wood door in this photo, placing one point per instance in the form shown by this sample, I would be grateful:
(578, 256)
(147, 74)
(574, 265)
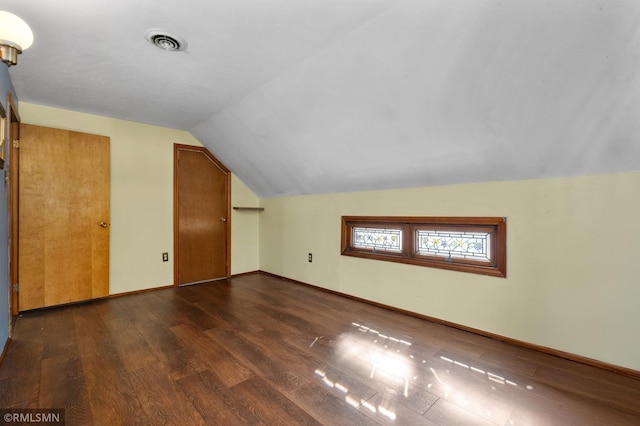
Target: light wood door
(64, 217)
(202, 228)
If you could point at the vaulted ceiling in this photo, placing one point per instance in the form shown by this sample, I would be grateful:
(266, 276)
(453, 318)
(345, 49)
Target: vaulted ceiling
(314, 96)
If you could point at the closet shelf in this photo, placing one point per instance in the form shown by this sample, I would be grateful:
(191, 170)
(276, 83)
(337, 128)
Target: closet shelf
(255, 209)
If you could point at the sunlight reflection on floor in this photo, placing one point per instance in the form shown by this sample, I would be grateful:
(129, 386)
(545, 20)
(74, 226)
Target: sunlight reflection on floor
(408, 377)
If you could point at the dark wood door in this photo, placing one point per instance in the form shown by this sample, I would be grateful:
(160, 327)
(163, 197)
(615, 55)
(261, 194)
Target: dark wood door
(202, 227)
(63, 234)
(13, 158)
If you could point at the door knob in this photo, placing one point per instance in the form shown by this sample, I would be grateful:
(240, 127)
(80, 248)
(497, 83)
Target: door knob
(223, 219)
(103, 224)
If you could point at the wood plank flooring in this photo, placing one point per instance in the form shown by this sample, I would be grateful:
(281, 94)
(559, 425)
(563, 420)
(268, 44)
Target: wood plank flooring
(259, 350)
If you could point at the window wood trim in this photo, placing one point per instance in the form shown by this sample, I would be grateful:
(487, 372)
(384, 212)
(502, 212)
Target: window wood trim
(496, 226)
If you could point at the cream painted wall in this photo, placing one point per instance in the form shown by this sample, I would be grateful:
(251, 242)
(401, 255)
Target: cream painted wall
(142, 197)
(572, 264)
(244, 229)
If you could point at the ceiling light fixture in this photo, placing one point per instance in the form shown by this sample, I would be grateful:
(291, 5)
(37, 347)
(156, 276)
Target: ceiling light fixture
(15, 36)
(163, 40)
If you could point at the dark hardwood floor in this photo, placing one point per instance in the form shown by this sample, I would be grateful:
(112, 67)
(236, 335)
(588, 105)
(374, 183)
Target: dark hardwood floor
(260, 350)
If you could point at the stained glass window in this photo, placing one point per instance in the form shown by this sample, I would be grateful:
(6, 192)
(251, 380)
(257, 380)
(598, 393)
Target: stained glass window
(448, 244)
(378, 239)
(467, 244)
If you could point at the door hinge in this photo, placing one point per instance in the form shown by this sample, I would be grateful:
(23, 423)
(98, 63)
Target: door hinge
(15, 288)
(16, 143)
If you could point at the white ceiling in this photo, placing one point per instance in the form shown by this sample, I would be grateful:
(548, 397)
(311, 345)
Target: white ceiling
(315, 96)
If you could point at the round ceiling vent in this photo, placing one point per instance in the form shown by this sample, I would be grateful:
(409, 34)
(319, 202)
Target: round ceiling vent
(163, 40)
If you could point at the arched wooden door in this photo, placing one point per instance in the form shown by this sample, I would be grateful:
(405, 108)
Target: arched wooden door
(202, 227)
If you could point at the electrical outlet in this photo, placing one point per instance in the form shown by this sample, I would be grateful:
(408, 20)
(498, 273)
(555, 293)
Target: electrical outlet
(165, 257)
(310, 258)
